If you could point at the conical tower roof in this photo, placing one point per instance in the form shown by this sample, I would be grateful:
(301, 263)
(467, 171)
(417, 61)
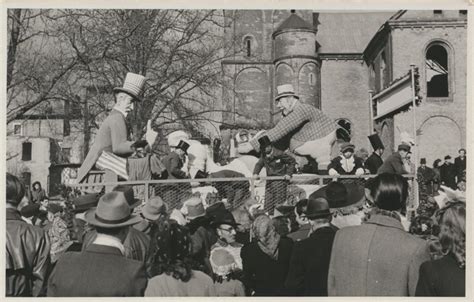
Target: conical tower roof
(294, 22)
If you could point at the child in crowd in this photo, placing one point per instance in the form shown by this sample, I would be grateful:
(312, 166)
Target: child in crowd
(225, 274)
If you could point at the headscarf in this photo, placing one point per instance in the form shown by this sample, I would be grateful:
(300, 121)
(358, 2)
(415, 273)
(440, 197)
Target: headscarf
(266, 235)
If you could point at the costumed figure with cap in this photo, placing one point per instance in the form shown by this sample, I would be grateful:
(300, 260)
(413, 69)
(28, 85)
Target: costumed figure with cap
(346, 200)
(346, 163)
(174, 193)
(112, 146)
(276, 163)
(96, 271)
(136, 243)
(308, 272)
(306, 130)
(375, 160)
(394, 164)
(226, 280)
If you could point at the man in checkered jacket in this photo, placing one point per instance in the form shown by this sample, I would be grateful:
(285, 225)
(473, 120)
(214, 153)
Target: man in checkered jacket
(310, 132)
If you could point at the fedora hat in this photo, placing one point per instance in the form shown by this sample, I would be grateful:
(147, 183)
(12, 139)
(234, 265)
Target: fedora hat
(129, 195)
(317, 208)
(341, 195)
(224, 217)
(347, 146)
(183, 146)
(154, 208)
(285, 90)
(112, 211)
(85, 202)
(195, 207)
(133, 85)
(376, 142)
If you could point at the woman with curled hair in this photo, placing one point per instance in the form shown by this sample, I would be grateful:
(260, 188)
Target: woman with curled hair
(266, 259)
(446, 276)
(170, 264)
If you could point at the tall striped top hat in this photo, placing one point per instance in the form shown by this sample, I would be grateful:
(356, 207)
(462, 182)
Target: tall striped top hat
(133, 85)
(285, 90)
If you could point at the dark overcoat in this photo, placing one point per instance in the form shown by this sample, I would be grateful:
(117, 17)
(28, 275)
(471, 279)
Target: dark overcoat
(308, 273)
(99, 271)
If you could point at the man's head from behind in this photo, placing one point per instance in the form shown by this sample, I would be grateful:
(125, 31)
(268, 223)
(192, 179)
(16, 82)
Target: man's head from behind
(15, 190)
(389, 191)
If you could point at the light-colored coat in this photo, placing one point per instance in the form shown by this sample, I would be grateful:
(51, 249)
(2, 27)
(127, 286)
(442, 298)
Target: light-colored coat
(112, 136)
(377, 258)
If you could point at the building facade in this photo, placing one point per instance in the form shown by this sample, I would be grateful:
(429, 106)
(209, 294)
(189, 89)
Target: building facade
(334, 59)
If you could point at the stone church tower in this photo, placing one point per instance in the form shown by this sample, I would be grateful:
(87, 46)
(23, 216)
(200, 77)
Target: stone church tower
(295, 58)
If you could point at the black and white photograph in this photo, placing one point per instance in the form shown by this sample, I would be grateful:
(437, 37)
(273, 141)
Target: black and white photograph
(236, 152)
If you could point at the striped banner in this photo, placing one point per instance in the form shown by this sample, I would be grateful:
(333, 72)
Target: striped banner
(110, 161)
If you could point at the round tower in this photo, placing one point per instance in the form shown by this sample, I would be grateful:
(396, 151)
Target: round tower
(296, 60)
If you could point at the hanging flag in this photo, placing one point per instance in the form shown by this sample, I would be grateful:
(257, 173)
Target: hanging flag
(433, 68)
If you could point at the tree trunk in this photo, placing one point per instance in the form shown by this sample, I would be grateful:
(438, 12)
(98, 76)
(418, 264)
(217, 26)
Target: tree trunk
(12, 46)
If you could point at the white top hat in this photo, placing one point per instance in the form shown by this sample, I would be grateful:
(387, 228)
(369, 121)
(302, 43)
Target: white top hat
(133, 85)
(285, 90)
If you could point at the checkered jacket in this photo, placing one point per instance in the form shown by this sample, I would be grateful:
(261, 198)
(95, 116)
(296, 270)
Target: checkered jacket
(308, 123)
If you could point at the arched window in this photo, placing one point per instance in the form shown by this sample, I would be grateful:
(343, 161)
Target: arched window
(437, 71)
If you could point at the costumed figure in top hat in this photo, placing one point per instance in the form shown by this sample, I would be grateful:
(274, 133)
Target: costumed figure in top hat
(174, 193)
(375, 160)
(112, 146)
(304, 128)
(276, 163)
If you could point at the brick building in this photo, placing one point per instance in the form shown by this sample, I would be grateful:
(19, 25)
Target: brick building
(333, 59)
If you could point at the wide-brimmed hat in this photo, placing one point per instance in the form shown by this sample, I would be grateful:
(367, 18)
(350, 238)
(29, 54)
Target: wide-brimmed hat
(347, 146)
(85, 202)
(214, 209)
(129, 195)
(194, 207)
(224, 217)
(54, 208)
(133, 85)
(112, 211)
(183, 146)
(317, 208)
(376, 142)
(285, 90)
(404, 147)
(340, 195)
(154, 208)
